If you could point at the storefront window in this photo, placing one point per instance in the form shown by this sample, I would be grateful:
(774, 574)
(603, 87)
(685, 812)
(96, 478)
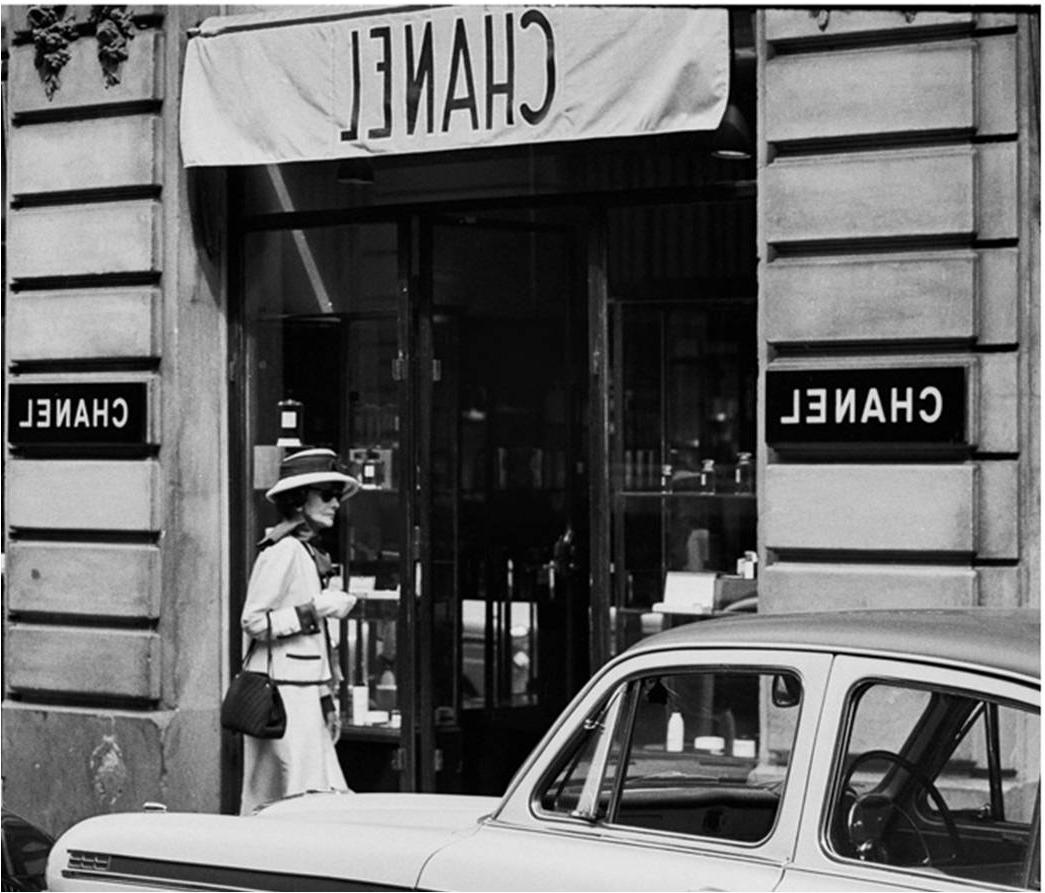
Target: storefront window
(321, 313)
(683, 347)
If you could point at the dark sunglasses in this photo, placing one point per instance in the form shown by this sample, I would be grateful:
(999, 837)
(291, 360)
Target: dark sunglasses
(328, 493)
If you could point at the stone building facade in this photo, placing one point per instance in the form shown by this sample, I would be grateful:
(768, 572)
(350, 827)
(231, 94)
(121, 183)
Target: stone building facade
(898, 223)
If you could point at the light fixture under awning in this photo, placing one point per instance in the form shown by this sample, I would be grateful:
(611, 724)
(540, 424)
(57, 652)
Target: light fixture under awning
(330, 82)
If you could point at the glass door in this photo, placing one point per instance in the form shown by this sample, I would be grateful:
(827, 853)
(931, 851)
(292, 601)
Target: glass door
(506, 517)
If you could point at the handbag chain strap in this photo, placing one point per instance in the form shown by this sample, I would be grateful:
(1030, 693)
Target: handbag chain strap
(268, 642)
(268, 645)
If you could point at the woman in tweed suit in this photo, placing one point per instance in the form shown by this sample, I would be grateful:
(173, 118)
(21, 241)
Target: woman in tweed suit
(287, 609)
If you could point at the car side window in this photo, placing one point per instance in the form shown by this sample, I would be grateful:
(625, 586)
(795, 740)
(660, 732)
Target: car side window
(696, 753)
(938, 780)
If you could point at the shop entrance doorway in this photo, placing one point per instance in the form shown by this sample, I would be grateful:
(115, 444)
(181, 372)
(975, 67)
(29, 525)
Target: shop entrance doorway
(444, 358)
(504, 639)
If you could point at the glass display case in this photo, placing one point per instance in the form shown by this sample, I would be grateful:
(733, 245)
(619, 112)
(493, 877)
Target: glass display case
(682, 471)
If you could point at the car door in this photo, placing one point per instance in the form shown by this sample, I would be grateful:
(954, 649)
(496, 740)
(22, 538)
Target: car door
(923, 777)
(675, 770)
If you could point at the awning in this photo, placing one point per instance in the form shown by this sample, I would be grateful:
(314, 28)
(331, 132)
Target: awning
(341, 82)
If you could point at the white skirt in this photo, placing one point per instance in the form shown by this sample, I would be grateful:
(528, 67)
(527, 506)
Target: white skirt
(302, 760)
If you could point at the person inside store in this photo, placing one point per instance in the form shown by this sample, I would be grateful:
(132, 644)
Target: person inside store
(287, 611)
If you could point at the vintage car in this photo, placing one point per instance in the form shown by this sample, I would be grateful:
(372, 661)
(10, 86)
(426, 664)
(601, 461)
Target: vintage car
(834, 751)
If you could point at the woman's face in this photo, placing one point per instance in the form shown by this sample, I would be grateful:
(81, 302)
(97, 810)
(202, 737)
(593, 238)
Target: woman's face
(321, 506)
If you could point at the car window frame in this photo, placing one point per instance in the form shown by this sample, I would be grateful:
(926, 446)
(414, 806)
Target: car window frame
(851, 672)
(1032, 878)
(521, 806)
(588, 801)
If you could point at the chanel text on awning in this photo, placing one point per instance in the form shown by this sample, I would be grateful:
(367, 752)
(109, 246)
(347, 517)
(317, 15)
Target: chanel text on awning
(431, 70)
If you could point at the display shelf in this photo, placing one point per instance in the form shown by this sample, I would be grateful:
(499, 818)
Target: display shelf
(381, 734)
(688, 494)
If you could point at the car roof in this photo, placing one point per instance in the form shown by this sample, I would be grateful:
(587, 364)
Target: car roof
(1004, 640)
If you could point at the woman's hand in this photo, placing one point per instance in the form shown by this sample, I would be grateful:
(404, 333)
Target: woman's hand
(333, 603)
(333, 721)
(331, 716)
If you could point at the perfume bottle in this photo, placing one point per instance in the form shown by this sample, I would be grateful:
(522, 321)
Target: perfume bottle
(744, 474)
(706, 481)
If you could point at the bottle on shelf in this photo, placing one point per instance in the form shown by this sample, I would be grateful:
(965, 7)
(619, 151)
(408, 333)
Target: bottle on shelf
(665, 476)
(706, 482)
(675, 734)
(744, 474)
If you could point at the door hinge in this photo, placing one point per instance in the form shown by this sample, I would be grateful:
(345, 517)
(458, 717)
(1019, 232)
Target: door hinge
(438, 760)
(398, 759)
(399, 367)
(437, 370)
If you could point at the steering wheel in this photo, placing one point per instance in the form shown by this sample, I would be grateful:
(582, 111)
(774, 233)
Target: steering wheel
(870, 813)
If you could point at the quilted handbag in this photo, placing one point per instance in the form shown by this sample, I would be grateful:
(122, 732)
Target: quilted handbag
(252, 705)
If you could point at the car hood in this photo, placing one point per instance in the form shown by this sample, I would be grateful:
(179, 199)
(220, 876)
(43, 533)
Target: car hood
(375, 839)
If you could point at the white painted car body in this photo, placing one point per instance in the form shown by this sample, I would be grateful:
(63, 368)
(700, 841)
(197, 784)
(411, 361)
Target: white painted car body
(301, 843)
(520, 842)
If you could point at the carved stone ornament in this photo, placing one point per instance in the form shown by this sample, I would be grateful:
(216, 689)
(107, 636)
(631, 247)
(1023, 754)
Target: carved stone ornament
(52, 33)
(113, 29)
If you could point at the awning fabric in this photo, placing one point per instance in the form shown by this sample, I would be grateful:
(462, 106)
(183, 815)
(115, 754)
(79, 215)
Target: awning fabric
(341, 82)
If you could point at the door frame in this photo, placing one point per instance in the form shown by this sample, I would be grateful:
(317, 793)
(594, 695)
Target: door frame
(599, 384)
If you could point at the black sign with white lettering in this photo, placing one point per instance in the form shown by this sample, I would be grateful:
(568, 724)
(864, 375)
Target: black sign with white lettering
(80, 414)
(924, 405)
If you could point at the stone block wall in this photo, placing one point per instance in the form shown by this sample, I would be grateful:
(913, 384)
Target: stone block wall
(114, 570)
(899, 224)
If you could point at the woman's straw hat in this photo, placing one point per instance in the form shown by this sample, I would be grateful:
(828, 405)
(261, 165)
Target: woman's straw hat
(312, 468)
